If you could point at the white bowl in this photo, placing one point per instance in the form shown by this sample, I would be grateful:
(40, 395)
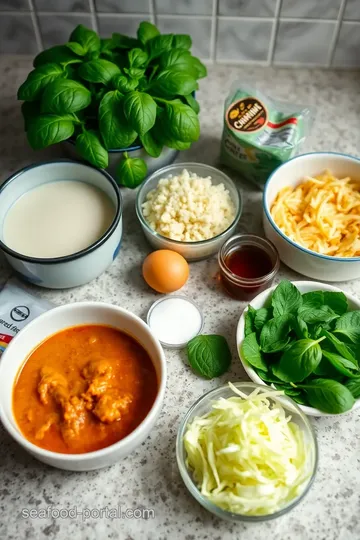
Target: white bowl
(43, 327)
(298, 258)
(78, 268)
(191, 251)
(259, 302)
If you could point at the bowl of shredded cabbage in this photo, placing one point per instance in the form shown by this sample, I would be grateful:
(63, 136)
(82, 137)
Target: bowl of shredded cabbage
(246, 452)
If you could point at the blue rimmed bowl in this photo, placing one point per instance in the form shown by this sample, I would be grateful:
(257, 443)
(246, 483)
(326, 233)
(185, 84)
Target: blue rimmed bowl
(303, 260)
(78, 268)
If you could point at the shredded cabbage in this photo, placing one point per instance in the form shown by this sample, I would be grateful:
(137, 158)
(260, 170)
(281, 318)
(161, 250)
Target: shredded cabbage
(246, 456)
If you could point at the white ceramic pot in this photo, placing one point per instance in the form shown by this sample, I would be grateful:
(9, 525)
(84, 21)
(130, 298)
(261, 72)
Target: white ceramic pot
(78, 268)
(298, 258)
(43, 327)
(261, 300)
(166, 157)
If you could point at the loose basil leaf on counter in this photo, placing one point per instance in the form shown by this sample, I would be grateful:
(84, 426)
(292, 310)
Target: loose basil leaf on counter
(63, 96)
(131, 172)
(49, 129)
(274, 334)
(354, 386)
(349, 325)
(262, 316)
(299, 361)
(285, 299)
(37, 80)
(328, 395)
(251, 352)
(90, 148)
(249, 320)
(209, 355)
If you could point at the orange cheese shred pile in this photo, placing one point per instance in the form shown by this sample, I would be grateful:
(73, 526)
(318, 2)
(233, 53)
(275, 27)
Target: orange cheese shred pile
(322, 214)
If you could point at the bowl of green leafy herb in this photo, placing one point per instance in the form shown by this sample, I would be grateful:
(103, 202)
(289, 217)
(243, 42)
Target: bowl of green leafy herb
(125, 103)
(304, 338)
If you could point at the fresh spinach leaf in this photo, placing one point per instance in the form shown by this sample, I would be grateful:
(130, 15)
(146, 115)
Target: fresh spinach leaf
(349, 325)
(313, 315)
(262, 316)
(249, 320)
(49, 129)
(209, 356)
(37, 80)
(354, 386)
(274, 334)
(98, 71)
(63, 96)
(285, 299)
(267, 376)
(326, 370)
(341, 347)
(328, 395)
(170, 82)
(250, 350)
(131, 172)
(87, 38)
(114, 128)
(140, 111)
(336, 301)
(344, 366)
(89, 146)
(299, 361)
(147, 31)
(300, 327)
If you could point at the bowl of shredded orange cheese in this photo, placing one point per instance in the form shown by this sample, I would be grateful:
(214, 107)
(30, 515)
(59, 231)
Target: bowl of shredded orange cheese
(312, 215)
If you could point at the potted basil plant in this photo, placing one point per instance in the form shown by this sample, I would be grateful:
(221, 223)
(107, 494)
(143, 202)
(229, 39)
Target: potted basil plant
(117, 96)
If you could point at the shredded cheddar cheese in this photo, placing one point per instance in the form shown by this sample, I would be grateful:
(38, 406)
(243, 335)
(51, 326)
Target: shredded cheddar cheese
(322, 214)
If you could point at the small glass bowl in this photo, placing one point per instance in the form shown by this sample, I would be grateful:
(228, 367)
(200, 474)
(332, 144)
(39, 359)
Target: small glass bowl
(203, 406)
(246, 288)
(191, 251)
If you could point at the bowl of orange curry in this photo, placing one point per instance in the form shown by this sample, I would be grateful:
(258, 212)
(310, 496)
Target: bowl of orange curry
(82, 385)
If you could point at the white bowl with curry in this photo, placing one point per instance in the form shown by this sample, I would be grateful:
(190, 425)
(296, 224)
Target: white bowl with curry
(82, 385)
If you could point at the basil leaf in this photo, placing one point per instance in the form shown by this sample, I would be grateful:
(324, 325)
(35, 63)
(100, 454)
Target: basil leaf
(181, 122)
(49, 129)
(107, 46)
(326, 370)
(147, 31)
(178, 59)
(135, 73)
(159, 44)
(190, 100)
(131, 172)
(209, 356)
(337, 301)
(137, 58)
(199, 67)
(300, 400)
(90, 148)
(124, 42)
(64, 96)
(299, 361)
(300, 327)
(328, 395)
(89, 39)
(249, 317)
(98, 71)
(177, 145)
(312, 315)
(60, 54)
(274, 334)
(123, 84)
(313, 299)
(354, 386)
(250, 351)
(343, 365)
(140, 111)
(267, 376)
(262, 315)
(171, 82)
(76, 48)
(151, 145)
(114, 129)
(182, 41)
(37, 80)
(349, 326)
(285, 299)
(341, 348)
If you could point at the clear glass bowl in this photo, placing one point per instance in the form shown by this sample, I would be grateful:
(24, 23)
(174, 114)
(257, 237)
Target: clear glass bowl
(192, 251)
(203, 406)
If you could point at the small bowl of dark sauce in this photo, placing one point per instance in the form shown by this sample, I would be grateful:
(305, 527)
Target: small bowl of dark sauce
(248, 265)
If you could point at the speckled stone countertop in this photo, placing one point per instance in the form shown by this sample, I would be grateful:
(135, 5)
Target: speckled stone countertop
(149, 478)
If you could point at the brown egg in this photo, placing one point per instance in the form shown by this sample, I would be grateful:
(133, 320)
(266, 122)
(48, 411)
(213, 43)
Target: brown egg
(165, 271)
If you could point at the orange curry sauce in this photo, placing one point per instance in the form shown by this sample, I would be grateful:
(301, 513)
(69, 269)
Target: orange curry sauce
(83, 389)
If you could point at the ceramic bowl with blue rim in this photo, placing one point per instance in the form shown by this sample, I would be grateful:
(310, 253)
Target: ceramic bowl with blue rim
(76, 268)
(298, 258)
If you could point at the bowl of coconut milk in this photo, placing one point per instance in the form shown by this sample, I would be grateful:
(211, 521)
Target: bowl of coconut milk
(60, 223)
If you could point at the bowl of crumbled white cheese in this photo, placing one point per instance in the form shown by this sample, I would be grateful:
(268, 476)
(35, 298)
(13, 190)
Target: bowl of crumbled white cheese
(191, 208)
